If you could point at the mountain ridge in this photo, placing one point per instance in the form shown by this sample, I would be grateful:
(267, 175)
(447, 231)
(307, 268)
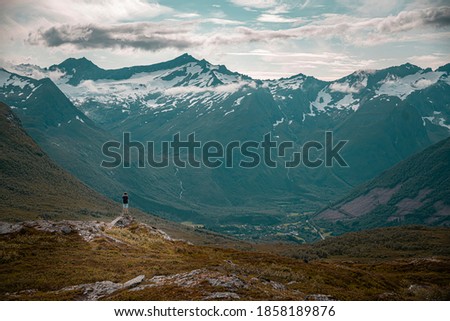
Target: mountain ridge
(386, 116)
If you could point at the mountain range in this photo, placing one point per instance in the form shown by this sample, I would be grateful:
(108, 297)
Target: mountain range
(59, 242)
(385, 115)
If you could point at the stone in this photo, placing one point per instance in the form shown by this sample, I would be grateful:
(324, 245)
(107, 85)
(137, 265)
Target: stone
(66, 229)
(221, 296)
(277, 286)
(133, 282)
(8, 228)
(318, 297)
(122, 221)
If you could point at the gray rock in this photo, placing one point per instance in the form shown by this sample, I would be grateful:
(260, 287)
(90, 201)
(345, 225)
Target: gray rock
(222, 296)
(8, 228)
(133, 282)
(226, 281)
(66, 229)
(98, 290)
(94, 291)
(318, 297)
(277, 286)
(122, 221)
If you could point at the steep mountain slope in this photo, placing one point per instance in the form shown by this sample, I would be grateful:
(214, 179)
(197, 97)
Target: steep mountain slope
(32, 186)
(75, 143)
(66, 134)
(416, 191)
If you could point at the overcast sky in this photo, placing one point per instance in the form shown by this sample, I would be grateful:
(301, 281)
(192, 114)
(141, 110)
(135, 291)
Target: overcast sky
(327, 39)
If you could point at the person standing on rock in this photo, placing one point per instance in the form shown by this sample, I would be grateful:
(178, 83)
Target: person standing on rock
(125, 203)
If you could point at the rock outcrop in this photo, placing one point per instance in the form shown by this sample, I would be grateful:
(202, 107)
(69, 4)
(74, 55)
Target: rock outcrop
(99, 290)
(88, 230)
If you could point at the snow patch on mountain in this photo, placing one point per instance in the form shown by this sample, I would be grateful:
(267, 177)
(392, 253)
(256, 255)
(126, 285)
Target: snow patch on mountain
(348, 88)
(238, 101)
(323, 99)
(228, 112)
(278, 122)
(441, 122)
(403, 87)
(348, 101)
(228, 88)
(436, 119)
(7, 79)
(78, 118)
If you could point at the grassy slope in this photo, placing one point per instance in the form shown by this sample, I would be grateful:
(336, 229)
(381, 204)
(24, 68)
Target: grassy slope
(31, 184)
(47, 262)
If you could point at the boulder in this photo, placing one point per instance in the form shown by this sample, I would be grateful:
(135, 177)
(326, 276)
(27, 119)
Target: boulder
(122, 221)
(133, 282)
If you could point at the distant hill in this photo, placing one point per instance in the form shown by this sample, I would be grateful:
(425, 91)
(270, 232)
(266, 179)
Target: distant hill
(416, 191)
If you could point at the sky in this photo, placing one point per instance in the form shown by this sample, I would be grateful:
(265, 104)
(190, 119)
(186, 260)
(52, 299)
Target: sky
(327, 39)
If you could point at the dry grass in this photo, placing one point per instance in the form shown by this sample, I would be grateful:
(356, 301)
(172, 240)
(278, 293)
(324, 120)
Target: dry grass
(48, 262)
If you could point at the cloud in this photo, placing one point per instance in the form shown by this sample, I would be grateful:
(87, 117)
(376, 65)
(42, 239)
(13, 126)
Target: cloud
(357, 31)
(370, 7)
(275, 18)
(220, 21)
(271, 7)
(324, 65)
(344, 88)
(423, 83)
(281, 8)
(255, 4)
(228, 88)
(433, 60)
(83, 11)
(187, 15)
(145, 36)
(89, 86)
(156, 36)
(34, 71)
(409, 20)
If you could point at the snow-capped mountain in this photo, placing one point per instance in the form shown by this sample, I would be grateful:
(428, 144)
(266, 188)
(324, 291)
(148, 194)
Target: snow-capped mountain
(185, 82)
(386, 115)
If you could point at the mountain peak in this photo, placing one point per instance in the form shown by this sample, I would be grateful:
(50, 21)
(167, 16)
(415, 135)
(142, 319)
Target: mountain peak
(185, 58)
(78, 69)
(409, 66)
(444, 68)
(83, 63)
